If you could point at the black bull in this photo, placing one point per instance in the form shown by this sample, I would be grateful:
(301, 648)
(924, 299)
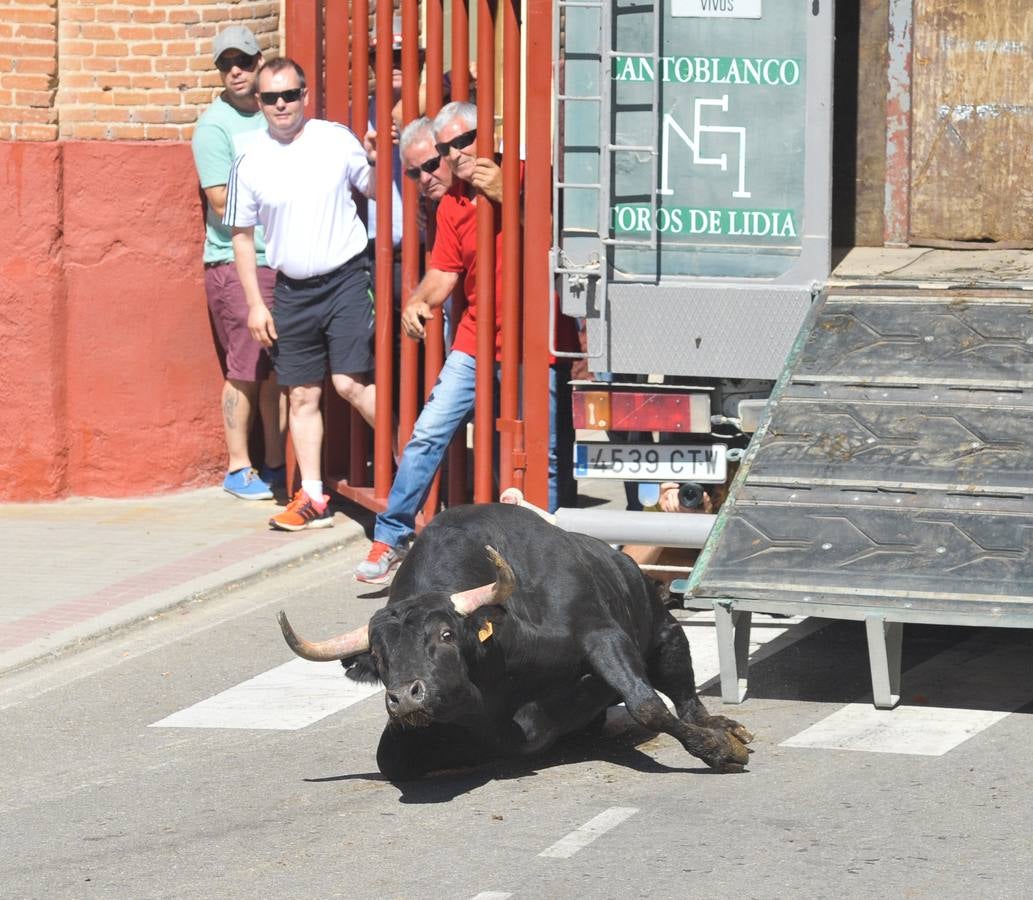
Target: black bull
(486, 655)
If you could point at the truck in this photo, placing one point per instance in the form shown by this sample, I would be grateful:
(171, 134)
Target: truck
(692, 199)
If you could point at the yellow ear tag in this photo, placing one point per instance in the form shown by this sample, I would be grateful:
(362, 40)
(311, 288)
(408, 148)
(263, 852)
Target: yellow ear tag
(486, 631)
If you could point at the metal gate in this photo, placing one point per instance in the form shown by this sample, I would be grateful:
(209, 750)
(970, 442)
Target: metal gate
(331, 40)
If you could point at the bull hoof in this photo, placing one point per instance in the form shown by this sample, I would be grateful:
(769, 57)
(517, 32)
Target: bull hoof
(731, 756)
(736, 730)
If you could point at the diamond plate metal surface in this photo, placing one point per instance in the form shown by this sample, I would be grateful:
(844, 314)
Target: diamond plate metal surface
(895, 471)
(726, 333)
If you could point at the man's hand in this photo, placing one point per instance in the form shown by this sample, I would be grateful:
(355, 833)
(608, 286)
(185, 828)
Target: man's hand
(260, 324)
(413, 317)
(487, 178)
(369, 144)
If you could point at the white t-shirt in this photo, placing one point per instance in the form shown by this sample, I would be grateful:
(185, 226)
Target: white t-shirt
(301, 195)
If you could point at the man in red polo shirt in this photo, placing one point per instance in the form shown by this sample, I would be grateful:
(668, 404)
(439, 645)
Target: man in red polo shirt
(476, 181)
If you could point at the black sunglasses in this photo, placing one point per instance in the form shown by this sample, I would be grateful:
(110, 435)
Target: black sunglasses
(460, 141)
(242, 61)
(430, 167)
(269, 98)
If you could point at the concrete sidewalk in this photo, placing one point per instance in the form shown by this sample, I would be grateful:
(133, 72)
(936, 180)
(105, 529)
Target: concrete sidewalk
(76, 569)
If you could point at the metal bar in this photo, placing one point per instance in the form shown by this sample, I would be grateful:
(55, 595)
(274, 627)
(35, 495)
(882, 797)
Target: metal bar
(360, 65)
(435, 60)
(538, 238)
(336, 412)
(358, 433)
(384, 260)
(409, 350)
(511, 440)
(434, 343)
(884, 646)
(337, 56)
(460, 67)
(733, 644)
(304, 38)
(622, 527)
(483, 420)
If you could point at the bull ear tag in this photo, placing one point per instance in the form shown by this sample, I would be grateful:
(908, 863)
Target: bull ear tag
(487, 630)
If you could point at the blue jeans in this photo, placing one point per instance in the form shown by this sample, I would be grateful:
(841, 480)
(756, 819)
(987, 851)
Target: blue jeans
(448, 407)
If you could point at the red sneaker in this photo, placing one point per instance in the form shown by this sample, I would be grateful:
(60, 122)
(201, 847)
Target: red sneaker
(377, 566)
(304, 512)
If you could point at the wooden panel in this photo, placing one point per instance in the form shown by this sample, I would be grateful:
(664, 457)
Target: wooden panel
(872, 87)
(971, 162)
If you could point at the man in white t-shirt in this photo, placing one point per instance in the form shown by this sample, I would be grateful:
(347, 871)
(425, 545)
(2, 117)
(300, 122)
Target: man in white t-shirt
(297, 182)
(222, 133)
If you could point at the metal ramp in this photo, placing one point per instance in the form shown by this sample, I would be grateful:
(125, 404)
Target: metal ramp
(891, 480)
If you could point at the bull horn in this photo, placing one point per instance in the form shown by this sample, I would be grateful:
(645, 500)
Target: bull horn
(496, 593)
(344, 646)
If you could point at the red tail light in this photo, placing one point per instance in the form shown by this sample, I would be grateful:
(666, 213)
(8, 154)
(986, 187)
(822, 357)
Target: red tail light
(642, 411)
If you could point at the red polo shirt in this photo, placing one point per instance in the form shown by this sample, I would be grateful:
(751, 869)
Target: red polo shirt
(455, 250)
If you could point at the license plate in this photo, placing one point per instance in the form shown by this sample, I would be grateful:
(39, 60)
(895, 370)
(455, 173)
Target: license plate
(651, 462)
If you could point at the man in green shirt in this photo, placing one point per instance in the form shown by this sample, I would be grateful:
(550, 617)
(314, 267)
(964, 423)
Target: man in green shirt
(222, 133)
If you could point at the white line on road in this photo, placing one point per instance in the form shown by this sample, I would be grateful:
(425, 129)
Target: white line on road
(493, 895)
(699, 629)
(568, 845)
(286, 698)
(954, 689)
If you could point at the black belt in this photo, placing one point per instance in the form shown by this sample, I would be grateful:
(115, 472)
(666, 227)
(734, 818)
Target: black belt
(318, 280)
(213, 265)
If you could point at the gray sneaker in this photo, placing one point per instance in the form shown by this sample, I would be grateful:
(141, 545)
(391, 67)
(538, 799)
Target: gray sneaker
(379, 564)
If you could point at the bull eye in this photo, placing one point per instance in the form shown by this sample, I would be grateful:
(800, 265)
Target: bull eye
(446, 634)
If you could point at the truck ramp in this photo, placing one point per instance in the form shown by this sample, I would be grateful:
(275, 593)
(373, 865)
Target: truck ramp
(890, 481)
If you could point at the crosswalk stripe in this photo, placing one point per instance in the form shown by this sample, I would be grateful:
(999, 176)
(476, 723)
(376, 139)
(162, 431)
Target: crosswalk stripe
(950, 687)
(286, 698)
(595, 828)
(699, 629)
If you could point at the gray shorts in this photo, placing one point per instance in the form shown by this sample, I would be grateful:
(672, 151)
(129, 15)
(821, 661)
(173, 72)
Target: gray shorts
(323, 324)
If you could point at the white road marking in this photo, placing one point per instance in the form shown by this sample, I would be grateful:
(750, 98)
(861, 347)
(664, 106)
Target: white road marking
(699, 629)
(286, 698)
(954, 688)
(493, 895)
(581, 837)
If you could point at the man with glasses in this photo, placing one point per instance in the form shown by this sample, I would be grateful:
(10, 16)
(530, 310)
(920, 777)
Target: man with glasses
(297, 182)
(222, 133)
(426, 148)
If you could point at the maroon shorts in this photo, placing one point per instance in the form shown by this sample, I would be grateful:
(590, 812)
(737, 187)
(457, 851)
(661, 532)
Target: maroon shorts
(242, 357)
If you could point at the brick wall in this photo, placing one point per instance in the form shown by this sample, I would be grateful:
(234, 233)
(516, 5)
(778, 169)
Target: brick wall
(28, 70)
(118, 70)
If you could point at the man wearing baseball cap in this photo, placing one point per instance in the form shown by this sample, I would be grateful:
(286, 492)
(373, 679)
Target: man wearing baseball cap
(225, 130)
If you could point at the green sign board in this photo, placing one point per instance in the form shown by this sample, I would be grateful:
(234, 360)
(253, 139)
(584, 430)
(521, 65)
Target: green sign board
(723, 103)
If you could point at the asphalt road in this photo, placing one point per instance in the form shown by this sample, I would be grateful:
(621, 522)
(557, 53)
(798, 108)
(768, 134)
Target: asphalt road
(99, 802)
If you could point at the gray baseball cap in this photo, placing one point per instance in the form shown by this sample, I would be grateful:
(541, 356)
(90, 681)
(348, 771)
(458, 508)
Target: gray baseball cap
(236, 37)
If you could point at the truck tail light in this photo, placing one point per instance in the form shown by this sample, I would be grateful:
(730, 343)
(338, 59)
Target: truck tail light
(642, 411)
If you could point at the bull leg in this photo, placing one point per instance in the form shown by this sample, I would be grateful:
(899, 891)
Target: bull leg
(670, 672)
(565, 711)
(617, 661)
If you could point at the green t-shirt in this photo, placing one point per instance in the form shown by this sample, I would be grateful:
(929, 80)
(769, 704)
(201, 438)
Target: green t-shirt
(222, 134)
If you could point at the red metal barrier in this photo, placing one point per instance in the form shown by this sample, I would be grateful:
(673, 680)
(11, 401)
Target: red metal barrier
(331, 40)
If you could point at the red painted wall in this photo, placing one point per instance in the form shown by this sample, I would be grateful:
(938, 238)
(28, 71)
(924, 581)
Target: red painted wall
(110, 380)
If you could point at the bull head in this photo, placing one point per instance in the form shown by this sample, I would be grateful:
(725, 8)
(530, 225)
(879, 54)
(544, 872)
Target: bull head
(352, 643)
